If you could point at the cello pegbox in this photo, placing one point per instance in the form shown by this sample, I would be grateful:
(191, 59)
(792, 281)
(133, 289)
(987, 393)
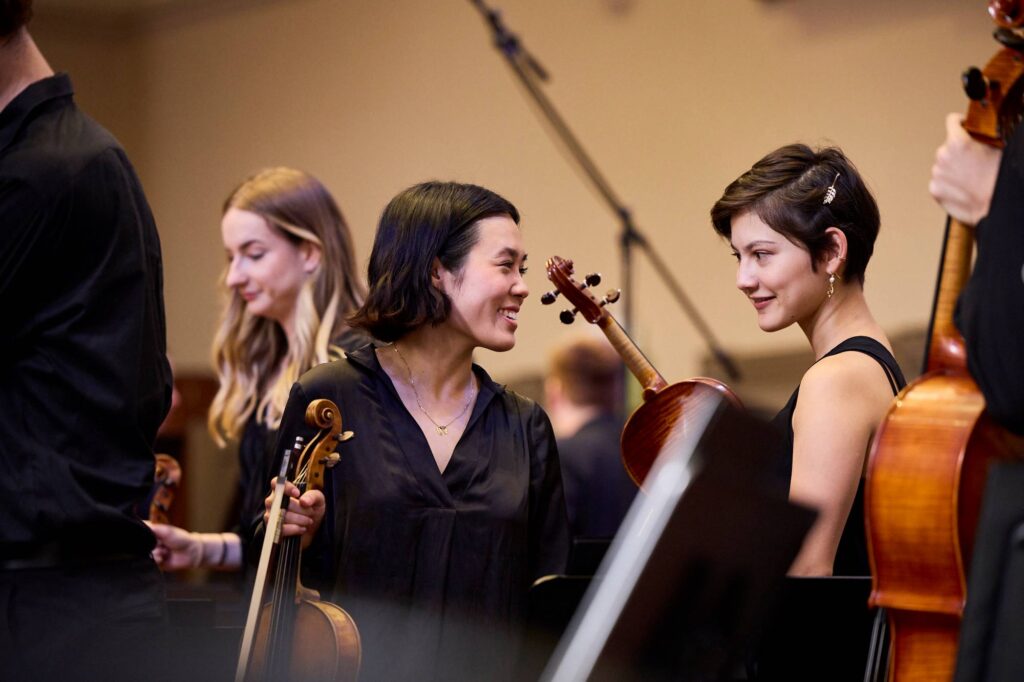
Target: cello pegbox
(975, 84)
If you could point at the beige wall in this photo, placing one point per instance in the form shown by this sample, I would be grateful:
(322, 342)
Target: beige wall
(672, 99)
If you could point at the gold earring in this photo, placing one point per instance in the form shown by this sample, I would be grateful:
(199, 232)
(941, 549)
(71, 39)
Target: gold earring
(832, 284)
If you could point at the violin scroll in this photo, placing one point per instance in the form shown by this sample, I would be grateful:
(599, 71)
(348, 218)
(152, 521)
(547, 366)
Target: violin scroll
(166, 478)
(320, 454)
(560, 272)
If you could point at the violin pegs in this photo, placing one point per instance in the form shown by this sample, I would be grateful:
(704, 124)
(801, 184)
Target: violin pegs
(611, 297)
(549, 297)
(593, 279)
(568, 316)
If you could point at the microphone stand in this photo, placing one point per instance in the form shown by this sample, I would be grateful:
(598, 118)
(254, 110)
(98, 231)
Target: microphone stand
(529, 71)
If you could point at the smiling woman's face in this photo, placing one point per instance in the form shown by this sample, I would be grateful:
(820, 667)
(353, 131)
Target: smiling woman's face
(265, 268)
(775, 274)
(488, 290)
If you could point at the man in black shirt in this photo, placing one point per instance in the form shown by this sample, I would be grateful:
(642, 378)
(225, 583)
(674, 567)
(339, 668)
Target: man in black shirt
(583, 392)
(84, 382)
(981, 187)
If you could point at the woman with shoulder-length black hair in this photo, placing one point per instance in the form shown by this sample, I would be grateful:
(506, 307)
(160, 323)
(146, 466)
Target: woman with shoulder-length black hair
(802, 226)
(447, 502)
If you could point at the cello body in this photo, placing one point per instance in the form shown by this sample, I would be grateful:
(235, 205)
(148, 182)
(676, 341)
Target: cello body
(930, 456)
(926, 474)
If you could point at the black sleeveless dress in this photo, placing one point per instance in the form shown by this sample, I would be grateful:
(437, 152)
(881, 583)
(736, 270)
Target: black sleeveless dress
(852, 554)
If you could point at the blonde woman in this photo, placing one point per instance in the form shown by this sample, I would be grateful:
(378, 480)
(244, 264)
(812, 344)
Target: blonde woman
(291, 283)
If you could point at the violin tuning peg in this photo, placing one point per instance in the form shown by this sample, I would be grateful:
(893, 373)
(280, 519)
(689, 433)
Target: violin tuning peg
(345, 436)
(549, 297)
(593, 279)
(567, 316)
(331, 459)
(611, 297)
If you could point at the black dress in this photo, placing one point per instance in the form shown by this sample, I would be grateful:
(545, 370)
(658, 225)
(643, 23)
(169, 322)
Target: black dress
(434, 567)
(852, 553)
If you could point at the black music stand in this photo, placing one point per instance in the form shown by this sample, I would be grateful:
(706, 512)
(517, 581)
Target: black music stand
(694, 568)
(820, 629)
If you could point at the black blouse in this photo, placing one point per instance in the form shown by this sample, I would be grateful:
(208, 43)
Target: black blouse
(434, 567)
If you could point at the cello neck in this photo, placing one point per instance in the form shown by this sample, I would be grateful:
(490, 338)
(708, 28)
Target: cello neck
(946, 345)
(634, 358)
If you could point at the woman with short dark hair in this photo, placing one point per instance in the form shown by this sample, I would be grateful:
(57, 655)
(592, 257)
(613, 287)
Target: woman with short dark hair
(447, 502)
(802, 226)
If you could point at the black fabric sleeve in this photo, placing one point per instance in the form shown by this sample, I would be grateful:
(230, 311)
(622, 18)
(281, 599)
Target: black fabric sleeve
(990, 314)
(549, 525)
(24, 219)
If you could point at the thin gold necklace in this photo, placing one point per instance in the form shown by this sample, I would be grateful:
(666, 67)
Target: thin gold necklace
(442, 429)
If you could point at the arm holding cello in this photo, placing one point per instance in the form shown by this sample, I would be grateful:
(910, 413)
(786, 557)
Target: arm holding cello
(964, 174)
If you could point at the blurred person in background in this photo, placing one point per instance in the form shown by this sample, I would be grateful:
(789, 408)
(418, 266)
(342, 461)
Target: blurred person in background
(583, 396)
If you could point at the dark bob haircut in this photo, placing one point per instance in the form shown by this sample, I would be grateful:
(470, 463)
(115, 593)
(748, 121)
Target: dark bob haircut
(786, 189)
(13, 15)
(430, 220)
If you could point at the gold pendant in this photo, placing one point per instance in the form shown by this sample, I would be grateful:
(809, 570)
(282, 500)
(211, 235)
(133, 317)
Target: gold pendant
(442, 430)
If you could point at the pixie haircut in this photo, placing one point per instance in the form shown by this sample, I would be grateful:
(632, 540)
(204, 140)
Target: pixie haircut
(427, 221)
(13, 15)
(787, 189)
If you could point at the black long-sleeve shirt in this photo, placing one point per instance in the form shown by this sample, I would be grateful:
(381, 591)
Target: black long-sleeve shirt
(991, 309)
(84, 378)
(433, 566)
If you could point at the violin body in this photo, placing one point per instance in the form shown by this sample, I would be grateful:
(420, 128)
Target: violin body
(654, 424)
(325, 643)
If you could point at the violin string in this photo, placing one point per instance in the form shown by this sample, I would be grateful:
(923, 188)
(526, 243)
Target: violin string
(284, 582)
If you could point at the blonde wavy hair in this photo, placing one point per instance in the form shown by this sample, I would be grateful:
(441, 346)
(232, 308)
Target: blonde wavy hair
(255, 364)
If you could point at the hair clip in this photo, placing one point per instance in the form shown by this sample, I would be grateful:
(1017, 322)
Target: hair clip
(830, 193)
